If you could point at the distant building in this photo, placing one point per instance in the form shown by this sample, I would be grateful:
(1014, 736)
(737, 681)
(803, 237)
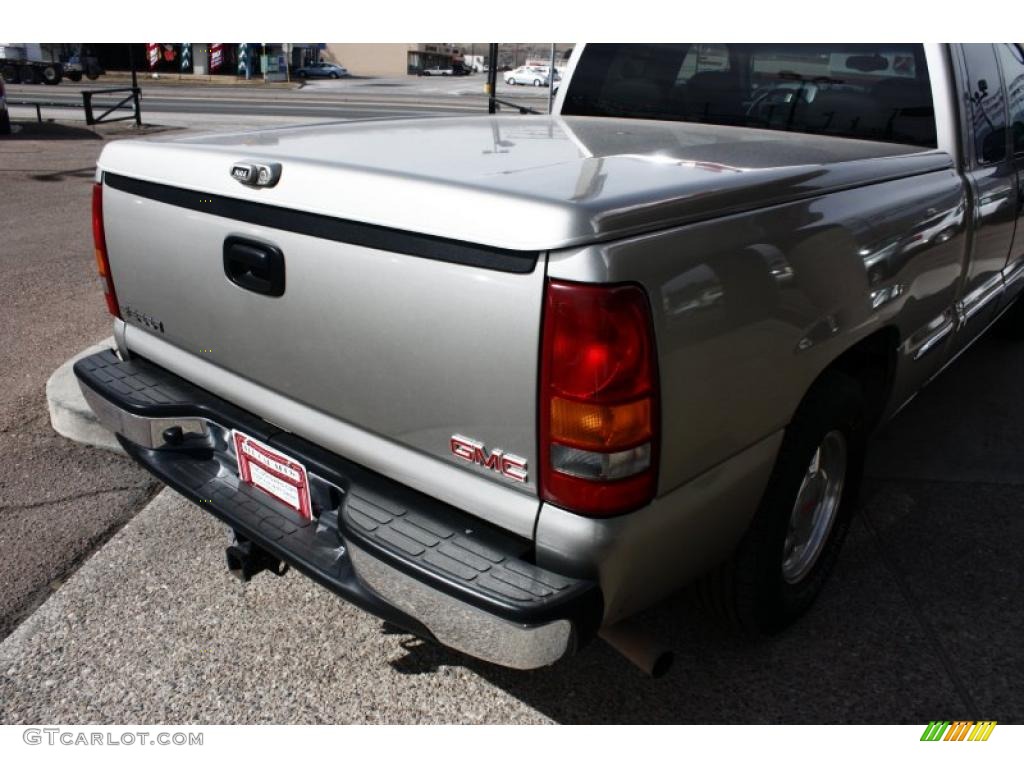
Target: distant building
(238, 59)
(271, 59)
(397, 59)
(392, 59)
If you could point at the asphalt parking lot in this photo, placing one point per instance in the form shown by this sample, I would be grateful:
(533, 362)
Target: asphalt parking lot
(58, 499)
(921, 621)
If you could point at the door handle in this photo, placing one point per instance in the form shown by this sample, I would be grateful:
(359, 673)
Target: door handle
(254, 266)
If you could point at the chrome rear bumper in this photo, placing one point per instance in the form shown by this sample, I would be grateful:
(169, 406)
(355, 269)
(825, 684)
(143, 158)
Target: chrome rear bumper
(409, 559)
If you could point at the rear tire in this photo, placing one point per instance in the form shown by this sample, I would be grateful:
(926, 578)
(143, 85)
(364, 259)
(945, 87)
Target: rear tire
(765, 586)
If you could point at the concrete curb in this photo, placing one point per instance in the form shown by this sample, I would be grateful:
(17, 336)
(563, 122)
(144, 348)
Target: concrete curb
(70, 416)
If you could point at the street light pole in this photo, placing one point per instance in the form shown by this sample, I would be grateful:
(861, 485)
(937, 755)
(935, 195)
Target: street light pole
(551, 80)
(492, 77)
(135, 85)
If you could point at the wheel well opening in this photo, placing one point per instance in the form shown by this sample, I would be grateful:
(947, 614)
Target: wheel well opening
(871, 362)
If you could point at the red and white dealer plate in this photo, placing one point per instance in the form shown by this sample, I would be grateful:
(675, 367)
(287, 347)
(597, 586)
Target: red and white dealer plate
(273, 472)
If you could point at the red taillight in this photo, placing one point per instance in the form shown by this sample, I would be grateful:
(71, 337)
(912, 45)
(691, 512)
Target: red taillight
(598, 399)
(99, 240)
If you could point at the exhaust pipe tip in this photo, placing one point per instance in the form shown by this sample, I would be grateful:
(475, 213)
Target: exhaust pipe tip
(647, 653)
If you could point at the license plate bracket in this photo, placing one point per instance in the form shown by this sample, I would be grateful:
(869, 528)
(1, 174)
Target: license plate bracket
(274, 473)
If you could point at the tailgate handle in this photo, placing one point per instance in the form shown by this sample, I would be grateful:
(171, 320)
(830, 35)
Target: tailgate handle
(254, 266)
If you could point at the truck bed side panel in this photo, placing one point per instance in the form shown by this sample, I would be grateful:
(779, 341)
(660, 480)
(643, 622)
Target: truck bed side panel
(749, 309)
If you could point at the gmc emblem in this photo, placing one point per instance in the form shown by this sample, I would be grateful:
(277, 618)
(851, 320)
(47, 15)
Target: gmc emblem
(506, 464)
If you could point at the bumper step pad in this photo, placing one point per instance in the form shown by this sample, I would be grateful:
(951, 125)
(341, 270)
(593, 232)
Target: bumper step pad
(455, 548)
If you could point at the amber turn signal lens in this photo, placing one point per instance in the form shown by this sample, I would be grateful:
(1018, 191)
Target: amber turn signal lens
(101, 262)
(600, 427)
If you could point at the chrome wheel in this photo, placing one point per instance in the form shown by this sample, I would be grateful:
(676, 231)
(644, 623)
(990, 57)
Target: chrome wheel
(815, 509)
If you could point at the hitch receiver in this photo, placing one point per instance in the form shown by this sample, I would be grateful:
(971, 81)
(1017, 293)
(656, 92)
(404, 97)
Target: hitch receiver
(246, 560)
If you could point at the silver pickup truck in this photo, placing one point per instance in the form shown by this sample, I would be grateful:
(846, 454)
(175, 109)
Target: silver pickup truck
(506, 381)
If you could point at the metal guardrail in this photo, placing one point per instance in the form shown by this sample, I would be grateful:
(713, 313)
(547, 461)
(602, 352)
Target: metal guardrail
(90, 117)
(37, 104)
(133, 97)
(522, 110)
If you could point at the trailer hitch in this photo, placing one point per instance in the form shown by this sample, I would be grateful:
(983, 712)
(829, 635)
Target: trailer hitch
(246, 560)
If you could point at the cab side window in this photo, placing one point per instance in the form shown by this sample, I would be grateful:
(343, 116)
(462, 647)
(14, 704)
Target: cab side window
(1012, 57)
(984, 92)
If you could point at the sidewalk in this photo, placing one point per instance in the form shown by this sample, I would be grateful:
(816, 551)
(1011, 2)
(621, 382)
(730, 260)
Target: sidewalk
(64, 122)
(171, 80)
(154, 629)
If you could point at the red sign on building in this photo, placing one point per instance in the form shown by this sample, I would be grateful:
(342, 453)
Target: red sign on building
(216, 56)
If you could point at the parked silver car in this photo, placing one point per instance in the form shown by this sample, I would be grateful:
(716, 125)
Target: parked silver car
(527, 76)
(322, 69)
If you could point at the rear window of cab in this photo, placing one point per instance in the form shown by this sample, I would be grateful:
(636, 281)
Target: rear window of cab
(864, 91)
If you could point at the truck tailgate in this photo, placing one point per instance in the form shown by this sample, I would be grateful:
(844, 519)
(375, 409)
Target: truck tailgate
(404, 340)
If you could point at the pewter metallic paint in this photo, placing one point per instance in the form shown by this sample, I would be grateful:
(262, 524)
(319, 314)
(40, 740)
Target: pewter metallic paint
(765, 256)
(522, 183)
